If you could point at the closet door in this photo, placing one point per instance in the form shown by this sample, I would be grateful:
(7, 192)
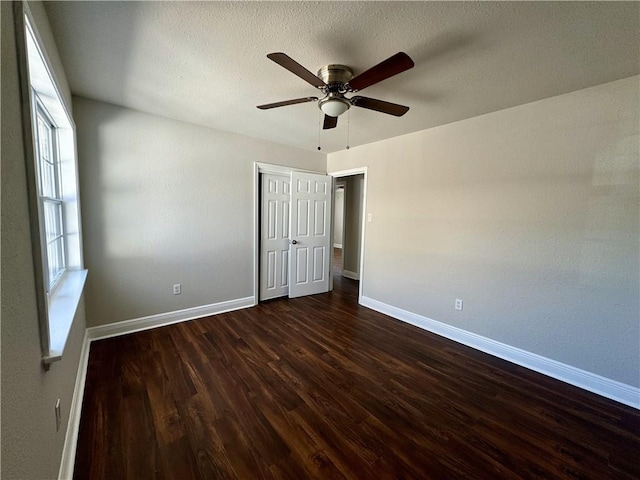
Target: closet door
(310, 234)
(274, 236)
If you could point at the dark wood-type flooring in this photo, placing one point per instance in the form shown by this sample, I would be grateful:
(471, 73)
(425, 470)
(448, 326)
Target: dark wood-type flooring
(336, 261)
(320, 387)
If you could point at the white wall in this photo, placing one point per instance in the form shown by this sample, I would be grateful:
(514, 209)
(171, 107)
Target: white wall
(530, 215)
(167, 202)
(31, 447)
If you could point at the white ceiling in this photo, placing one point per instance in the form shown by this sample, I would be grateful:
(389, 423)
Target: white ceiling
(205, 62)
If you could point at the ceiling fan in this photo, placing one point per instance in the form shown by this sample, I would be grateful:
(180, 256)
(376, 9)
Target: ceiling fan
(334, 81)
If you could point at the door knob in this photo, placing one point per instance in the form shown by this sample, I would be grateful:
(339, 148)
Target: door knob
(294, 242)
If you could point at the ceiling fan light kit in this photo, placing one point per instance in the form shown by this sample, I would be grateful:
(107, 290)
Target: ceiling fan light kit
(335, 80)
(334, 106)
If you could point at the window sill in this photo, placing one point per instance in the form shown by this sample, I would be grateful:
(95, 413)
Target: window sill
(62, 310)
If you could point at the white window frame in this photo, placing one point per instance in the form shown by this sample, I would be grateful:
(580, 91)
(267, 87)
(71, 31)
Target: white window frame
(52, 280)
(58, 298)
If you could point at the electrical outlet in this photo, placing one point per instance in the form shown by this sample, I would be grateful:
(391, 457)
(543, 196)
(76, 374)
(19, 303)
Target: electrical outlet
(177, 289)
(458, 304)
(369, 217)
(58, 415)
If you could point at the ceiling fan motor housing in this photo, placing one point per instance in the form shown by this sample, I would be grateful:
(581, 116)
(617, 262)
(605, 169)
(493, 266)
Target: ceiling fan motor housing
(335, 76)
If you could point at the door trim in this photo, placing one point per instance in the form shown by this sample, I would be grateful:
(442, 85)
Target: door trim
(349, 173)
(258, 168)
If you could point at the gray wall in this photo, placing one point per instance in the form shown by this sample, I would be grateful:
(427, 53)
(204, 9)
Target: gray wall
(167, 202)
(338, 217)
(354, 195)
(530, 215)
(31, 447)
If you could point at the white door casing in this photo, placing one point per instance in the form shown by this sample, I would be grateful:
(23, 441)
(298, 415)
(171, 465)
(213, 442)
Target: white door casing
(274, 236)
(311, 241)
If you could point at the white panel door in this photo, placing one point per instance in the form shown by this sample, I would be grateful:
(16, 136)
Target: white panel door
(310, 251)
(274, 236)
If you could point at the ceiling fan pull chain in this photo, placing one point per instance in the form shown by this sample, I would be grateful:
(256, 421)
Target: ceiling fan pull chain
(348, 126)
(319, 127)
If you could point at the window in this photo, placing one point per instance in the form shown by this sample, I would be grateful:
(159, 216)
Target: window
(52, 176)
(50, 195)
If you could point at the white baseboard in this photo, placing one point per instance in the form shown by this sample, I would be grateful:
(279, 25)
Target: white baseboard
(351, 275)
(592, 382)
(337, 245)
(73, 424)
(162, 319)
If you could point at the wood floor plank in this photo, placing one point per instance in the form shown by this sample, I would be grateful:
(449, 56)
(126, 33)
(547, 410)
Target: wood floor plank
(320, 387)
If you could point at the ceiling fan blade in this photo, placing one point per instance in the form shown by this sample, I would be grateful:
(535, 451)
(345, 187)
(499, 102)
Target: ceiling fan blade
(329, 122)
(398, 63)
(294, 67)
(288, 102)
(379, 106)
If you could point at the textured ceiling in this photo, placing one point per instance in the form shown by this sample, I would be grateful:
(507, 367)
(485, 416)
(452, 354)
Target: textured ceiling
(206, 62)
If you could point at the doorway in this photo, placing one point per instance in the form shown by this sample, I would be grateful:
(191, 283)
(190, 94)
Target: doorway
(350, 254)
(338, 226)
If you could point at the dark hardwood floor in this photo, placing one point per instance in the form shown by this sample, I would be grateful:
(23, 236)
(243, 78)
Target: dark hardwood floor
(320, 387)
(336, 261)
